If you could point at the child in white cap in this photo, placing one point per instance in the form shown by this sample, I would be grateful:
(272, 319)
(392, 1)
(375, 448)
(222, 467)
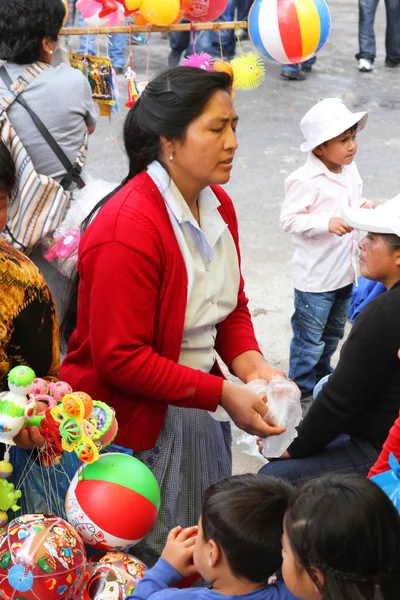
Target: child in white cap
(325, 247)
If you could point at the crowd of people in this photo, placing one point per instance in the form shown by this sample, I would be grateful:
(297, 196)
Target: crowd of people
(157, 298)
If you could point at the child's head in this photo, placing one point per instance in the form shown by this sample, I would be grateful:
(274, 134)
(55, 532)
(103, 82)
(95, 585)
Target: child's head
(241, 526)
(7, 182)
(342, 541)
(330, 130)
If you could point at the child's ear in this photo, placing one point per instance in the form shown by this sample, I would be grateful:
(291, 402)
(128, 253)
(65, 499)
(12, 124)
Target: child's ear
(214, 555)
(318, 151)
(319, 579)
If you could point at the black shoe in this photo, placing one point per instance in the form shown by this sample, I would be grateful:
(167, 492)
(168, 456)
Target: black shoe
(391, 64)
(174, 58)
(307, 68)
(293, 75)
(119, 70)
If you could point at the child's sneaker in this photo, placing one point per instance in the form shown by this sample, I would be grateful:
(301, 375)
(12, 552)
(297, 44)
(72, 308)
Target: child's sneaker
(365, 65)
(139, 38)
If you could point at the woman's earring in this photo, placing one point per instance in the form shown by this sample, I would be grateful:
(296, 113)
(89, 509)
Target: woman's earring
(171, 156)
(51, 52)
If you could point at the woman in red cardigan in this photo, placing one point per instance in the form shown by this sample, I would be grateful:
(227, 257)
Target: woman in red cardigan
(159, 293)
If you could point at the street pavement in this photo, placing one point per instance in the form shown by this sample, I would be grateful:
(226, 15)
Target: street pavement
(269, 139)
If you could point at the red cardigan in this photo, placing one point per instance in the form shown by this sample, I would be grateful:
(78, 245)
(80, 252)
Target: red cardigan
(392, 445)
(131, 312)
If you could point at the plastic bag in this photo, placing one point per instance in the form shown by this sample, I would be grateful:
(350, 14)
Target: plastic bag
(284, 409)
(389, 481)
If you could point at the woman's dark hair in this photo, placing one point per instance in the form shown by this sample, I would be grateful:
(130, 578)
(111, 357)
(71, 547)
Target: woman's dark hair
(168, 105)
(7, 169)
(23, 26)
(347, 528)
(391, 240)
(244, 516)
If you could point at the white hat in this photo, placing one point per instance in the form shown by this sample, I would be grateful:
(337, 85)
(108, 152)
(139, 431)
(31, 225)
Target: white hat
(326, 120)
(385, 218)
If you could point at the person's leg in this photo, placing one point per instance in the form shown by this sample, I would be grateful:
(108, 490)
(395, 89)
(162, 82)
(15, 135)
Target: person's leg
(392, 33)
(307, 65)
(86, 43)
(366, 34)
(292, 72)
(307, 346)
(117, 51)
(179, 42)
(343, 455)
(334, 329)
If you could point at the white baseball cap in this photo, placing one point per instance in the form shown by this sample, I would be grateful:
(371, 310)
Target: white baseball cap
(385, 218)
(326, 120)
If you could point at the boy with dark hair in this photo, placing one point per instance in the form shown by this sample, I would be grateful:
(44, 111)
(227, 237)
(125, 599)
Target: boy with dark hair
(237, 547)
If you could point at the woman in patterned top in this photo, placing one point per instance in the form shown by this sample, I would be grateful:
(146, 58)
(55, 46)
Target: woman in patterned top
(28, 316)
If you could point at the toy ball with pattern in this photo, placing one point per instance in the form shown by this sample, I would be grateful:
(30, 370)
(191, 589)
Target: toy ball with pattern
(41, 556)
(289, 31)
(112, 575)
(113, 503)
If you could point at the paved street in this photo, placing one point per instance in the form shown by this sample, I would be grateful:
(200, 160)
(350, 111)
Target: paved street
(269, 138)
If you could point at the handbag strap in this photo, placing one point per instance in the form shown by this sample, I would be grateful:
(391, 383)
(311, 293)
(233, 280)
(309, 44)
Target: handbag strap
(15, 90)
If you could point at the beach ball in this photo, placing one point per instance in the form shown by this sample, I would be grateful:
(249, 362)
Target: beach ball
(113, 502)
(289, 31)
(41, 556)
(200, 11)
(112, 575)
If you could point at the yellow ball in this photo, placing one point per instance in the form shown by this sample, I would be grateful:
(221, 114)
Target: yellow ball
(160, 12)
(132, 4)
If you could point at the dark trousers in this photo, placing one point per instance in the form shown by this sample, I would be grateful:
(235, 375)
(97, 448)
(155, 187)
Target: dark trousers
(366, 34)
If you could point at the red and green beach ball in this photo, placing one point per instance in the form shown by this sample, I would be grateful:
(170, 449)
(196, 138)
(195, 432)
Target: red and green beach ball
(113, 502)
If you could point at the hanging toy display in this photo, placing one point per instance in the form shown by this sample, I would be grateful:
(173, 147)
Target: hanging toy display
(248, 71)
(41, 556)
(114, 502)
(202, 60)
(133, 92)
(114, 571)
(289, 32)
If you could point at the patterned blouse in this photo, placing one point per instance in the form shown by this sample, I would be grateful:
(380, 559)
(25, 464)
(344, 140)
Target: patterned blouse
(28, 317)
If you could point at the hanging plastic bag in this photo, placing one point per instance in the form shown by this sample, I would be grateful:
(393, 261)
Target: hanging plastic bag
(284, 410)
(389, 481)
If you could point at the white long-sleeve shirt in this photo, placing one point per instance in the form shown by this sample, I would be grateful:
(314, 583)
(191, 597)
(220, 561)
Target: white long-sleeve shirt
(322, 261)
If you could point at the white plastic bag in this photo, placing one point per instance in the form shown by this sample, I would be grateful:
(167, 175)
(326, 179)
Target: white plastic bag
(284, 410)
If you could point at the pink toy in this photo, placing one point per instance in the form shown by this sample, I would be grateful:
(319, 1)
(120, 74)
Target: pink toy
(203, 60)
(64, 244)
(39, 386)
(58, 389)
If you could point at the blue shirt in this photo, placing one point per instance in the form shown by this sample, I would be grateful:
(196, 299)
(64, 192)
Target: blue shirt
(157, 583)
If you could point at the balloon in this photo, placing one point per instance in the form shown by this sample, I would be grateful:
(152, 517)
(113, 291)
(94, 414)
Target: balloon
(41, 556)
(291, 31)
(200, 11)
(160, 12)
(131, 5)
(113, 571)
(113, 502)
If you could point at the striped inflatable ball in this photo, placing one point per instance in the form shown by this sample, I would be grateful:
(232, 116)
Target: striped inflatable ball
(289, 31)
(113, 503)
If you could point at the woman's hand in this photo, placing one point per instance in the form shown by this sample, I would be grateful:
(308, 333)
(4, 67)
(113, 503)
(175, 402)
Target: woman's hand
(252, 365)
(245, 409)
(264, 371)
(260, 449)
(178, 551)
(28, 438)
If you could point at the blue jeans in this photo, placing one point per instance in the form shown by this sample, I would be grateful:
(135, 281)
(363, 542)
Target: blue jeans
(366, 34)
(343, 455)
(116, 48)
(296, 68)
(318, 325)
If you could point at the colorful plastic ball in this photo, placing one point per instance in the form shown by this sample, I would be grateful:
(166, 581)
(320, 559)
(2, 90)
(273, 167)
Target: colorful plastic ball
(41, 556)
(160, 12)
(200, 11)
(113, 502)
(112, 575)
(289, 32)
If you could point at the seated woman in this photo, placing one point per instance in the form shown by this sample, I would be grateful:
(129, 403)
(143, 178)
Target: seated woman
(361, 399)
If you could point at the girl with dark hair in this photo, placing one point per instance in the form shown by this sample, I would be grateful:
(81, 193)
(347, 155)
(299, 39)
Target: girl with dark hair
(159, 292)
(341, 541)
(60, 96)
(350, 417)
